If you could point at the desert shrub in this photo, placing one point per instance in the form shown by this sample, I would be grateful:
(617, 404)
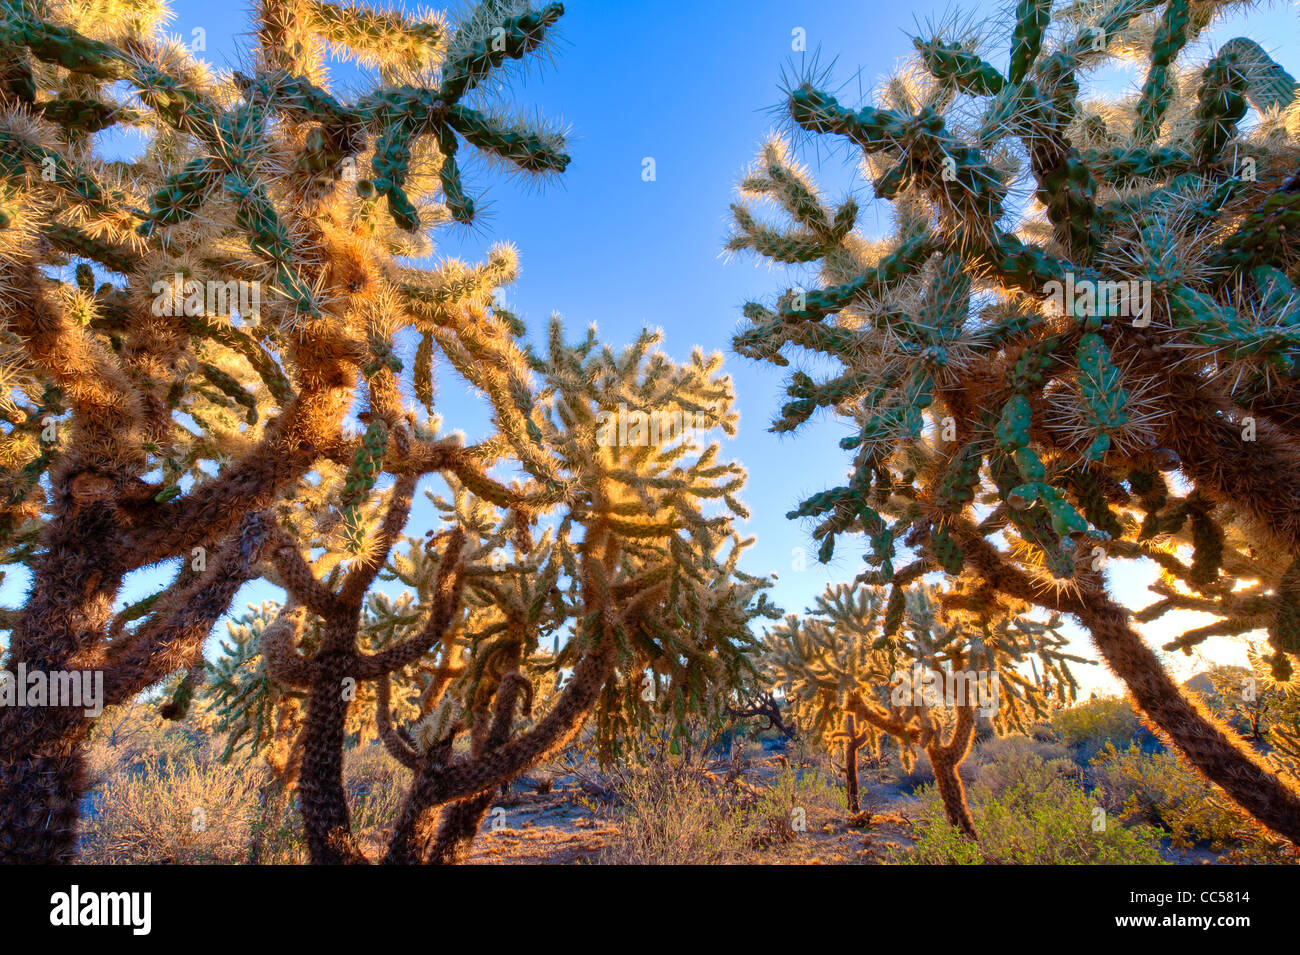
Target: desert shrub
(794, 797)
(993, 759)
(276, 832)
(183, 811)
(375, 783)
(676, 810)
(130, 737)
(1028, 811)
(1161, 790)
(675, 814)
(991, 750)
(1089, 726)
(1044, 733)
(1271, 705)
(914, 776)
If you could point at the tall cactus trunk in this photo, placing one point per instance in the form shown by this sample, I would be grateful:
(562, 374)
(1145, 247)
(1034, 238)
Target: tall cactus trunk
(953, 794)
(944, 759)
(42, 767)
(323, 801)
(1207, 746)
(851, 744)
(42, 787)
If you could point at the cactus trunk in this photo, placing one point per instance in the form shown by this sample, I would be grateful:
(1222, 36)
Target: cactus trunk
(42, 769)
(944, 759)
(1206, 745)
(436, 784)
(323, 801)
(40, 791)
(953, 794)
(457, 828)
(852, 742)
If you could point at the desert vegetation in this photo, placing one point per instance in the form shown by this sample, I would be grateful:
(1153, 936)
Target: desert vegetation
(1069, 359)
(1087, 783)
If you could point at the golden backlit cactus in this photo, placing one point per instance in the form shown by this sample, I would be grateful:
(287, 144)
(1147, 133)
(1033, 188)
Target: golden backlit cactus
(185, 331)
(919, 666)
(1079, 294)
(252, 710)
(613, 543)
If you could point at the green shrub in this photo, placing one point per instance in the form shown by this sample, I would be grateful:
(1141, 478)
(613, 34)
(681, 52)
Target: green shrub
(988, 751)
(1162, 790)
(1089, 726)
(793, 796)
(990, 757)
(1027, 811)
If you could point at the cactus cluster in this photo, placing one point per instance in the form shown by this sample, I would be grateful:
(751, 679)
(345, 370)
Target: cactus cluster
(460, 677)
(922, 667)
(207, 349)
(186, 332)
(1020, 376)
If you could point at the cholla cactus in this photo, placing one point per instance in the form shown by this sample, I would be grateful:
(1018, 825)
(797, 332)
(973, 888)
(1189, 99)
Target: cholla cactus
(918, 666)
(254, 713)
(636, 565)
(1252, 698)
(1262, 708)
(238, 288)
(657, 609)
(1079, 295)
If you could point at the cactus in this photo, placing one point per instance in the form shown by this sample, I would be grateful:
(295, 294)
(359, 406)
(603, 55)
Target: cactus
(1268, 86)
(1011, 427)
(186, 332)
(1157, 91)
(860, 668)
(358, 482)
(627, 562)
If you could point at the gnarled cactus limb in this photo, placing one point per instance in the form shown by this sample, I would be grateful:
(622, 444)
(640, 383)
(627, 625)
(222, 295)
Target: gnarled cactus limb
(41, 787)
(1206, 745)
(439, 783)
(945, 758)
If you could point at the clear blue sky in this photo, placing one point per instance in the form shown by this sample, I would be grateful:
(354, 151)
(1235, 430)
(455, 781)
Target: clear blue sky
(691, 85)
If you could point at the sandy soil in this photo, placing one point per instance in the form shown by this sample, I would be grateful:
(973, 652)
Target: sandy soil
(567, 826)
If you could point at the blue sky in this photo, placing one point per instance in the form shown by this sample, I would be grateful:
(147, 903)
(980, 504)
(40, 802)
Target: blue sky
(691, 85)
